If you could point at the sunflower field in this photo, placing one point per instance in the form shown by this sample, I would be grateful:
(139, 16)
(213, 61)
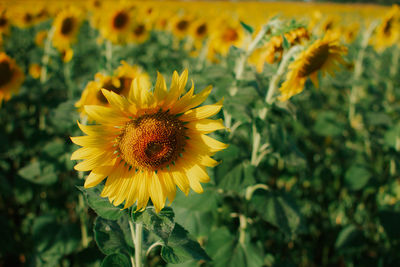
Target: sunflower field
(227, 134)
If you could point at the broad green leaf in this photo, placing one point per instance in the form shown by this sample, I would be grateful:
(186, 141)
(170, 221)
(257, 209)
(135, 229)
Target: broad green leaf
(39, 173)
(113, 236)
(101, 205)
(350, 236)
(357, 177)
(161, 224)
(328, 124)
(53, 239)
(182, 248)
(278, 210)
(116, 260)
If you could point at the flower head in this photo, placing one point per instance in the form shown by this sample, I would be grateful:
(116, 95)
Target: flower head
(323, 55)
(148, 143)
(11, 77)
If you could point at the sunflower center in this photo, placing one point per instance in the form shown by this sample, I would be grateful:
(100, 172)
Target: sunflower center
(201, 30)
(315, 61)
(3, 22)
(139, 30)
(5, 73)
(388, 27)
(230, 35)
(120, 20)
(67, 25)
(152, 141)
(110, 87)
(182, 25)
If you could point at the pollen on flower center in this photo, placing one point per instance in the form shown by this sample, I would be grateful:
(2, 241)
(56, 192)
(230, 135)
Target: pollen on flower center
(152, 141)
(5, 73)
(230, 35)
(67, 25)
(315, 61)
(120, 20)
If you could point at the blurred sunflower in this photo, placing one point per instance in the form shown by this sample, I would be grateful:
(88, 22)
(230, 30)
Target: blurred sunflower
(149, 143)
(66, 27)
(4, 22)
(323, 55)
(35, 70)
(140, 32)
(11, 77)
(40, 38)
(119, 83)
(116, 25)
(180, 25)
(388, 32)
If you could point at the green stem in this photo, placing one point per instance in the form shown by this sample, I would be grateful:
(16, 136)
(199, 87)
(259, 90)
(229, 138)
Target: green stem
(109, 54)
(138, 244)
(392, 73)
(273, 85)
(46, 56)
(242, 228)
(133, 240)
(256, 145)
(358, 70)
(82, 218)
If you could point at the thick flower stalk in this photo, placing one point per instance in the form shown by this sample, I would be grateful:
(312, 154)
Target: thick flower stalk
(148, 143)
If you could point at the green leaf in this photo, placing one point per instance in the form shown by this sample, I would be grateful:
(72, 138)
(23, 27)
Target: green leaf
(225, 252)
(182, 248)
(161, 224)
(116, 260)
(113, 236)
(279, 210)
(350, 236)
(285, 44)
(101, 205)
(357, 177)
(247, 27)
(38, 174)
(328, 124)
(390, 221)
(53, 239)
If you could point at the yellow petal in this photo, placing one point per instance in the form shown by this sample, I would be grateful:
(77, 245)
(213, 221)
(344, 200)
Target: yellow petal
(92, 162)
(205, 144)
(183, 102)
(198, 99)
(170, 186)
(97, 175)
(156, 192)
(116, 100)
(160, 90)
(106, 115)
(133, 186)
(143, 191)
(198, 173)
(90, 141)
(181, 181)
(206, 125)
(202, 112)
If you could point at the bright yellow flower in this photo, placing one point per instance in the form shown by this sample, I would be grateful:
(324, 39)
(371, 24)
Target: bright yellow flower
(66, 28)
(180, 26)
(149, 143)
(119, 83)
(11, 77)
(323, 55)
(4, 22)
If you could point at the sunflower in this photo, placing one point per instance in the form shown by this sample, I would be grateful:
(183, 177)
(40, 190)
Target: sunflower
(11, 77)
(66, 27)
(115, 25)
(324, 54)
(40, 38)
(4, 22)
(388, 32)
(140, 32)
(149, 143)
(119, 83)
(180, 26)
